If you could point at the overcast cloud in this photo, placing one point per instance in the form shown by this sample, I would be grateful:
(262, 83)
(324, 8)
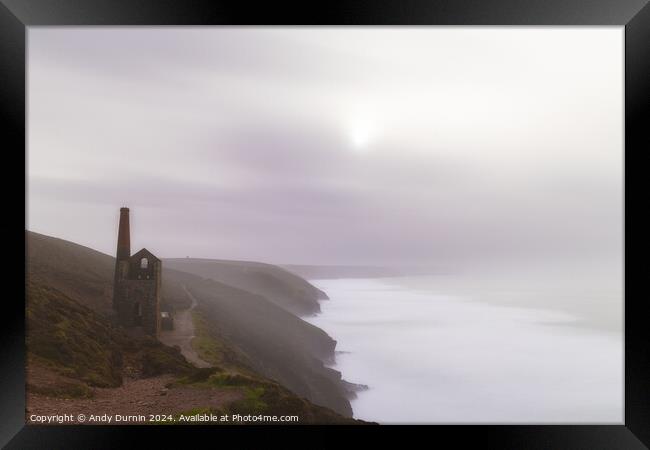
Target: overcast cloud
(330, 145)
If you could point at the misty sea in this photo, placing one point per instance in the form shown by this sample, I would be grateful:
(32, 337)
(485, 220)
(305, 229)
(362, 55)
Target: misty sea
(438, 349)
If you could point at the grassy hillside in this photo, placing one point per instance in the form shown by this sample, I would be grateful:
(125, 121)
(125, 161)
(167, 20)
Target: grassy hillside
(262, 396)
(84, 274)
(79, 272)
(72, 349)
(274, 342)
(73, 346)
(283, 288)
(233, 369)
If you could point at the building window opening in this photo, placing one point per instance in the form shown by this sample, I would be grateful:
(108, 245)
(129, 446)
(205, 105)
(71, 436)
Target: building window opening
(137, 314)
(144, 263)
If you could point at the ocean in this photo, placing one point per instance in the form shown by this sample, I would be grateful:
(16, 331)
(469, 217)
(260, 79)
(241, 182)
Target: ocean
(442, 349)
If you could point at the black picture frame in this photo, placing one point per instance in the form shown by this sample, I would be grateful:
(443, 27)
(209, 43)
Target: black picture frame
(634, 15)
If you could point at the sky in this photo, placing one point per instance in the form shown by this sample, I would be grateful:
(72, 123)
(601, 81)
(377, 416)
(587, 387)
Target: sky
(330, 145)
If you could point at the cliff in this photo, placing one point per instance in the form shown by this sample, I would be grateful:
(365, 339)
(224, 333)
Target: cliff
(285, 289)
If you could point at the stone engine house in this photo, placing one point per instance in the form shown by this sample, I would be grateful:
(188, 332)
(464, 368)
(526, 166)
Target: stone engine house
(136, 289)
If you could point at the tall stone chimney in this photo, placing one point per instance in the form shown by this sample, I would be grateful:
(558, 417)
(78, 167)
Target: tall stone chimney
(122, 256)
(123, 236)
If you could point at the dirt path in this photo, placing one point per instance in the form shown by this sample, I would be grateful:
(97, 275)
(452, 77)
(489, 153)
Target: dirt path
(144, 396)
(183, 333)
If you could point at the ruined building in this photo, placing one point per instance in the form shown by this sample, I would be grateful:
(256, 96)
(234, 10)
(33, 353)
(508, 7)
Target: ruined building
(136, 289)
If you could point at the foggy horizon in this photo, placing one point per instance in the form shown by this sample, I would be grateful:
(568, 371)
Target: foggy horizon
(383, 146)
(457, 190)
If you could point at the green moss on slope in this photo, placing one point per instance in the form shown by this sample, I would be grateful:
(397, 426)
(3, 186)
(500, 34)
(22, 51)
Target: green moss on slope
(71, 338)
(74, 342)
(260, 395)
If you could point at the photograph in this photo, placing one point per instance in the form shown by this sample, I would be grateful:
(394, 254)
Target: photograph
(244, 225)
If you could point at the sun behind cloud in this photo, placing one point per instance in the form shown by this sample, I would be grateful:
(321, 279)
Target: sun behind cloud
(362, 134)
